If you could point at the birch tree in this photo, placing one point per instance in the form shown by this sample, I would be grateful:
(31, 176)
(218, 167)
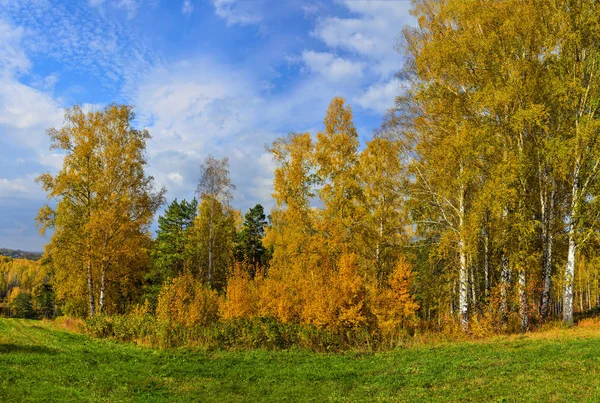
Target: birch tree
(105, 202)
(214, 188)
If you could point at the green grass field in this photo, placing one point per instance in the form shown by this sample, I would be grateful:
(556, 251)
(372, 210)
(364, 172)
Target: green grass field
(40, 363)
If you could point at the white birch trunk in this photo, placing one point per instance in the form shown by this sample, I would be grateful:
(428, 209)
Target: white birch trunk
(102, 291)
(523, 301)
(463, 277)
(570, 266)
(211, 243)
(92, 304)
(486, 262)
(547, 240)
(504, 276)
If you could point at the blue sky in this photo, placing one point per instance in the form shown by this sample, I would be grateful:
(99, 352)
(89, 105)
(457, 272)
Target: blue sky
(221, 77)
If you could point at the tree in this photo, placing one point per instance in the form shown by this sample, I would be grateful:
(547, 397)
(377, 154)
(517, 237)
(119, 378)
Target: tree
(577, 91)
(337, 169)
(211, 243)
(382, 175)
(169, 249)
(250, 248)
(21, 307)
(105, 203)
(216, 190)
(291, 232)
(44, 299)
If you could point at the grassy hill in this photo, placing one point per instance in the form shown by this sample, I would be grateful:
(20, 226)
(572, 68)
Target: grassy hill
(40, 363)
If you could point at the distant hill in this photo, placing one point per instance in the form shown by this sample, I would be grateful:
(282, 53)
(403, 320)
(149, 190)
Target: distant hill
(17, 253)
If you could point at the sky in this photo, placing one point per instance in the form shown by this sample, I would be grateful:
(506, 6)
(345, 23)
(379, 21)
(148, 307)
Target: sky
(219, 77)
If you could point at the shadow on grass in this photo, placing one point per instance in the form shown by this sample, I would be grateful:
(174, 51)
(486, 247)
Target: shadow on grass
(25, 349)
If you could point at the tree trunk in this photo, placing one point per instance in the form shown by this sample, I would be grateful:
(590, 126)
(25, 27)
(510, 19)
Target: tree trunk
(102, 291)
(463, 277)
(547, 240)
(504, 275)
(486, 261)
(473, 285)
(92, 302)
(523, 300)
(210, 243)
(570, 266)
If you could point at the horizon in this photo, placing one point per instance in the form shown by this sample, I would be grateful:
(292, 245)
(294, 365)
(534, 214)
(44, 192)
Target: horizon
(219, 77)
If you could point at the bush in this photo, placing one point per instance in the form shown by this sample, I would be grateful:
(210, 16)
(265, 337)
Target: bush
(75, 308)
(186, 301)
(44, 300)
(20, 306)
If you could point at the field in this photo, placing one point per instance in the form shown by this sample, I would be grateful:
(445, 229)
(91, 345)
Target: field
(41, 363)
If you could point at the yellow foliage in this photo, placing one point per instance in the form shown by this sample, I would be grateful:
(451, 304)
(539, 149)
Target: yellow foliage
(186, 301)
(337, 300)
(241, 299)
(393, 303)
(279, 298)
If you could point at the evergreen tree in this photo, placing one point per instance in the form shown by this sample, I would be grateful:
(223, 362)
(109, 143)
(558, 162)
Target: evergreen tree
(169, 250)
(44, 298)
(250, 248)
(21, 307)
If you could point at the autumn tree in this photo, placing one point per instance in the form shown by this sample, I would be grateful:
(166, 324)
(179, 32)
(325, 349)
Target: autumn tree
(383, 178)
(337, 169)
(105, 203)
(292, 220)
(577, 92)
(169, 249)
(211, 242)
(216, 191)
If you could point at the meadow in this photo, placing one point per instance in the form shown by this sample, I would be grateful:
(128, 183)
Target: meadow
(41, 362)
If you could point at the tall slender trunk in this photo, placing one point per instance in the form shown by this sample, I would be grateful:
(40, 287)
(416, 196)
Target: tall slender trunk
(486, 260)
(504, 273)
(102, 291)
(473, 285)
(92, 303)
(547, 240)
(463, 277)
(211, 243)
(380, 274)
(570, 266)
(523, 300)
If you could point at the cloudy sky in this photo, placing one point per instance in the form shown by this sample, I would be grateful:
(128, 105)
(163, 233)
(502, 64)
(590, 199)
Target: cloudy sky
(221, 77)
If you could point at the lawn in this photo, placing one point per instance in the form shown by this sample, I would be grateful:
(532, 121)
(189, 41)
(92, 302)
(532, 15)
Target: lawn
(40, 363)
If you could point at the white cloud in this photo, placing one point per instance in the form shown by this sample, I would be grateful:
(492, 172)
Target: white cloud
(372, 33)
(332, 67)
(12, 58)
(187, 7)
(379, 97)
(238, 12)
(197, 107)
(131, 7)
(22, 187)
(176, 178)
(25, 112)
(23, 107)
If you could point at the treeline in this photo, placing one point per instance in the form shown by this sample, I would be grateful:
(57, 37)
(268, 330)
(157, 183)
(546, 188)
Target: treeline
(474, 206)
(20, 254)
(26, 289)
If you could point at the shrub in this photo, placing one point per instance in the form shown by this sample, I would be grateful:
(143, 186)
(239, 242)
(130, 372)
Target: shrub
(241, 296)
(20, 306)
(75, 308)
(187, 302)
(44, 300)
(393, 305)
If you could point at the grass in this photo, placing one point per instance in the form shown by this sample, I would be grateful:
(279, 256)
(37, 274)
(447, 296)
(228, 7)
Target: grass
(39, 362)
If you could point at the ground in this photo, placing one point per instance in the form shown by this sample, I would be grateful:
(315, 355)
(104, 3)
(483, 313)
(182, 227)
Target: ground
(39, 362)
